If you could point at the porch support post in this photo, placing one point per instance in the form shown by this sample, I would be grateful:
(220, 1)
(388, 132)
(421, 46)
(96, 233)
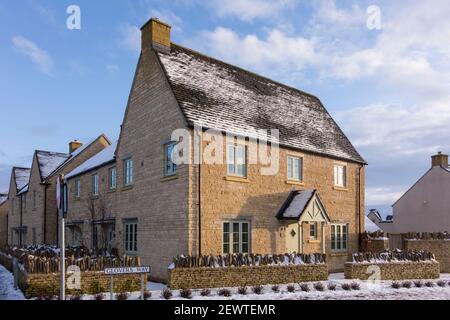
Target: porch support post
(300, 235)
(323, 237)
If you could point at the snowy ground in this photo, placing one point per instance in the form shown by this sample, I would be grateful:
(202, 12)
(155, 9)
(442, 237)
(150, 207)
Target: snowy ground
(382, 291)
(7, 291)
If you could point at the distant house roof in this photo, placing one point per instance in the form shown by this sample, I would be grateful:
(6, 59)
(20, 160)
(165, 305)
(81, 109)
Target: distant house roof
(297, 203)
(21, 176)
(370, 226)
(50, 161)
(221, 96)
(102, 158)
(3, 198)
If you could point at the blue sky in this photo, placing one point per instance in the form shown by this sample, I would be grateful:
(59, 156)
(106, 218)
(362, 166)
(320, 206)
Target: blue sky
(388, 89)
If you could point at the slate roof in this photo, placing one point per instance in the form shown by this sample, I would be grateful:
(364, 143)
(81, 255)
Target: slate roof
(3, 198)
(296, 203)
(104, 157)
(22, 176)
(217, 95)
(50, 161)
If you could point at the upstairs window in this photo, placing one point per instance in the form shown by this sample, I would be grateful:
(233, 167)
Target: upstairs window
(236, 160)
(77, 188)
(170, 168)
(112, 178)
(295, 168)
(95, 184)
(128, 171)
(34, 199)
(340, 176)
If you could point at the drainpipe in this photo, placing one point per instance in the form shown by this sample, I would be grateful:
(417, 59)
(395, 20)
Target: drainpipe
(359, 208)
(45, 213)
(21, 221)
(199, 212)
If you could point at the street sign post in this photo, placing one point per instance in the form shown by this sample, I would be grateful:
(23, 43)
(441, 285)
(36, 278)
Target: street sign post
(127, 270)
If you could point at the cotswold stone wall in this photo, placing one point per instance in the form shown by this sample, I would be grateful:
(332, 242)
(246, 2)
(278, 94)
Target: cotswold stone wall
(440, 248)
(194, 278)
(375, 245)
(394, 270)
(34, 285)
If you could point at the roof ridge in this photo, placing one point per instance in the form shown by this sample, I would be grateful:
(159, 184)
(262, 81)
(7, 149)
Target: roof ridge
(247, 71)
(52, 152)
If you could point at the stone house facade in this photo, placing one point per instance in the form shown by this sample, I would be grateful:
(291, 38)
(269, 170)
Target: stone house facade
(33, 217)
(161, 207)
(4, 208)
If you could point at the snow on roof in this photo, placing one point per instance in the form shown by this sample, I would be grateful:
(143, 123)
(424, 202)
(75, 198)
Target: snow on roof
(217, 95)
(3, 197)
(101, 158)
(50, 161)
(22, 176)
(370, 226)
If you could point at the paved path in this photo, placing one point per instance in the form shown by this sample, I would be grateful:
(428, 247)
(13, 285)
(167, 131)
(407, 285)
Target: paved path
(7, 291)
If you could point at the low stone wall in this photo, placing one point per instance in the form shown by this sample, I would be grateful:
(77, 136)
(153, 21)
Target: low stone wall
(393, 270)
(375, 245)
(440, 249)
(92, 282)
(195, 278)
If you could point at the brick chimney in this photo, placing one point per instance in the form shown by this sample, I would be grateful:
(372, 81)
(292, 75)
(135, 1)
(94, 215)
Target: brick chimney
(439, 160)
(156, 34)
(74, 145)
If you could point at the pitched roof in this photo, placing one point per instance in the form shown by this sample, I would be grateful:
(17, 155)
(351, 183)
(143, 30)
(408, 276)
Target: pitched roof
(102, 158)
(221, 96)
(3, 198)
(50, 161)
(297, 203)
(21, 176)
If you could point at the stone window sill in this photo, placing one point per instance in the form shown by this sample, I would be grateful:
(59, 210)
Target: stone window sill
(340, 188)
(338, 254)
(314, 241)
(125, 188)
(112, 190)
(169, 178)
(237, 179)
(295, 183)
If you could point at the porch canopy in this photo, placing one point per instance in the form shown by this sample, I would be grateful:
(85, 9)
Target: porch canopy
(303, 206)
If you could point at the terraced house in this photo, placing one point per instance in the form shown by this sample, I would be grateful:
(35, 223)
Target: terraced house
(313, 203)
(4, 208)
(33, 217)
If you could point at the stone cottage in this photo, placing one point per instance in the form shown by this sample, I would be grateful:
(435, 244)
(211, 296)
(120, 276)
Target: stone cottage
(161, 207)
(4, 207)
(33, 217)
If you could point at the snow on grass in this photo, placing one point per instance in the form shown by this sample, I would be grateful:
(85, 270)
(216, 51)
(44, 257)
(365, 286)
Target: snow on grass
(7, 291)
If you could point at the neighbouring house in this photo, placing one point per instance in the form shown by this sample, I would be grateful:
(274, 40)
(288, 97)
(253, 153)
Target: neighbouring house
(17, 186)
(4, 207)
(160, 208)
(425, 207)
(33, 217)
(93, 199)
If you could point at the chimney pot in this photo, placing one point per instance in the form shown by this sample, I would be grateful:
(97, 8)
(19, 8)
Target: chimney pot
(439, 159)
(74, 145)
(156, 34)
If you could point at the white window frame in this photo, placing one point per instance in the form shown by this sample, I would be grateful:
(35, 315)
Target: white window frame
(229, 238)
(130, 237)
(95, 184)
(112, 177)
(294, 173)
(313, 230)
(339, 237)
(170, 168)
(77, 188)
(128, 171)
(340, 175)
(236, 156)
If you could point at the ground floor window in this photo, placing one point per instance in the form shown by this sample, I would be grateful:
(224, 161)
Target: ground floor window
(236, 237)
(339, 236)
(130, 238)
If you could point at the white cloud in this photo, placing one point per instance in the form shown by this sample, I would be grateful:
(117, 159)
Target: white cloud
(169, 17)
(38, 56)
(276, 51)
(248, 10)
(384, 195)
(130, 38)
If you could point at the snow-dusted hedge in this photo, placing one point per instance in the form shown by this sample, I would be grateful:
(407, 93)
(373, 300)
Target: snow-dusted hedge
(392, 256)
(239, 260)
